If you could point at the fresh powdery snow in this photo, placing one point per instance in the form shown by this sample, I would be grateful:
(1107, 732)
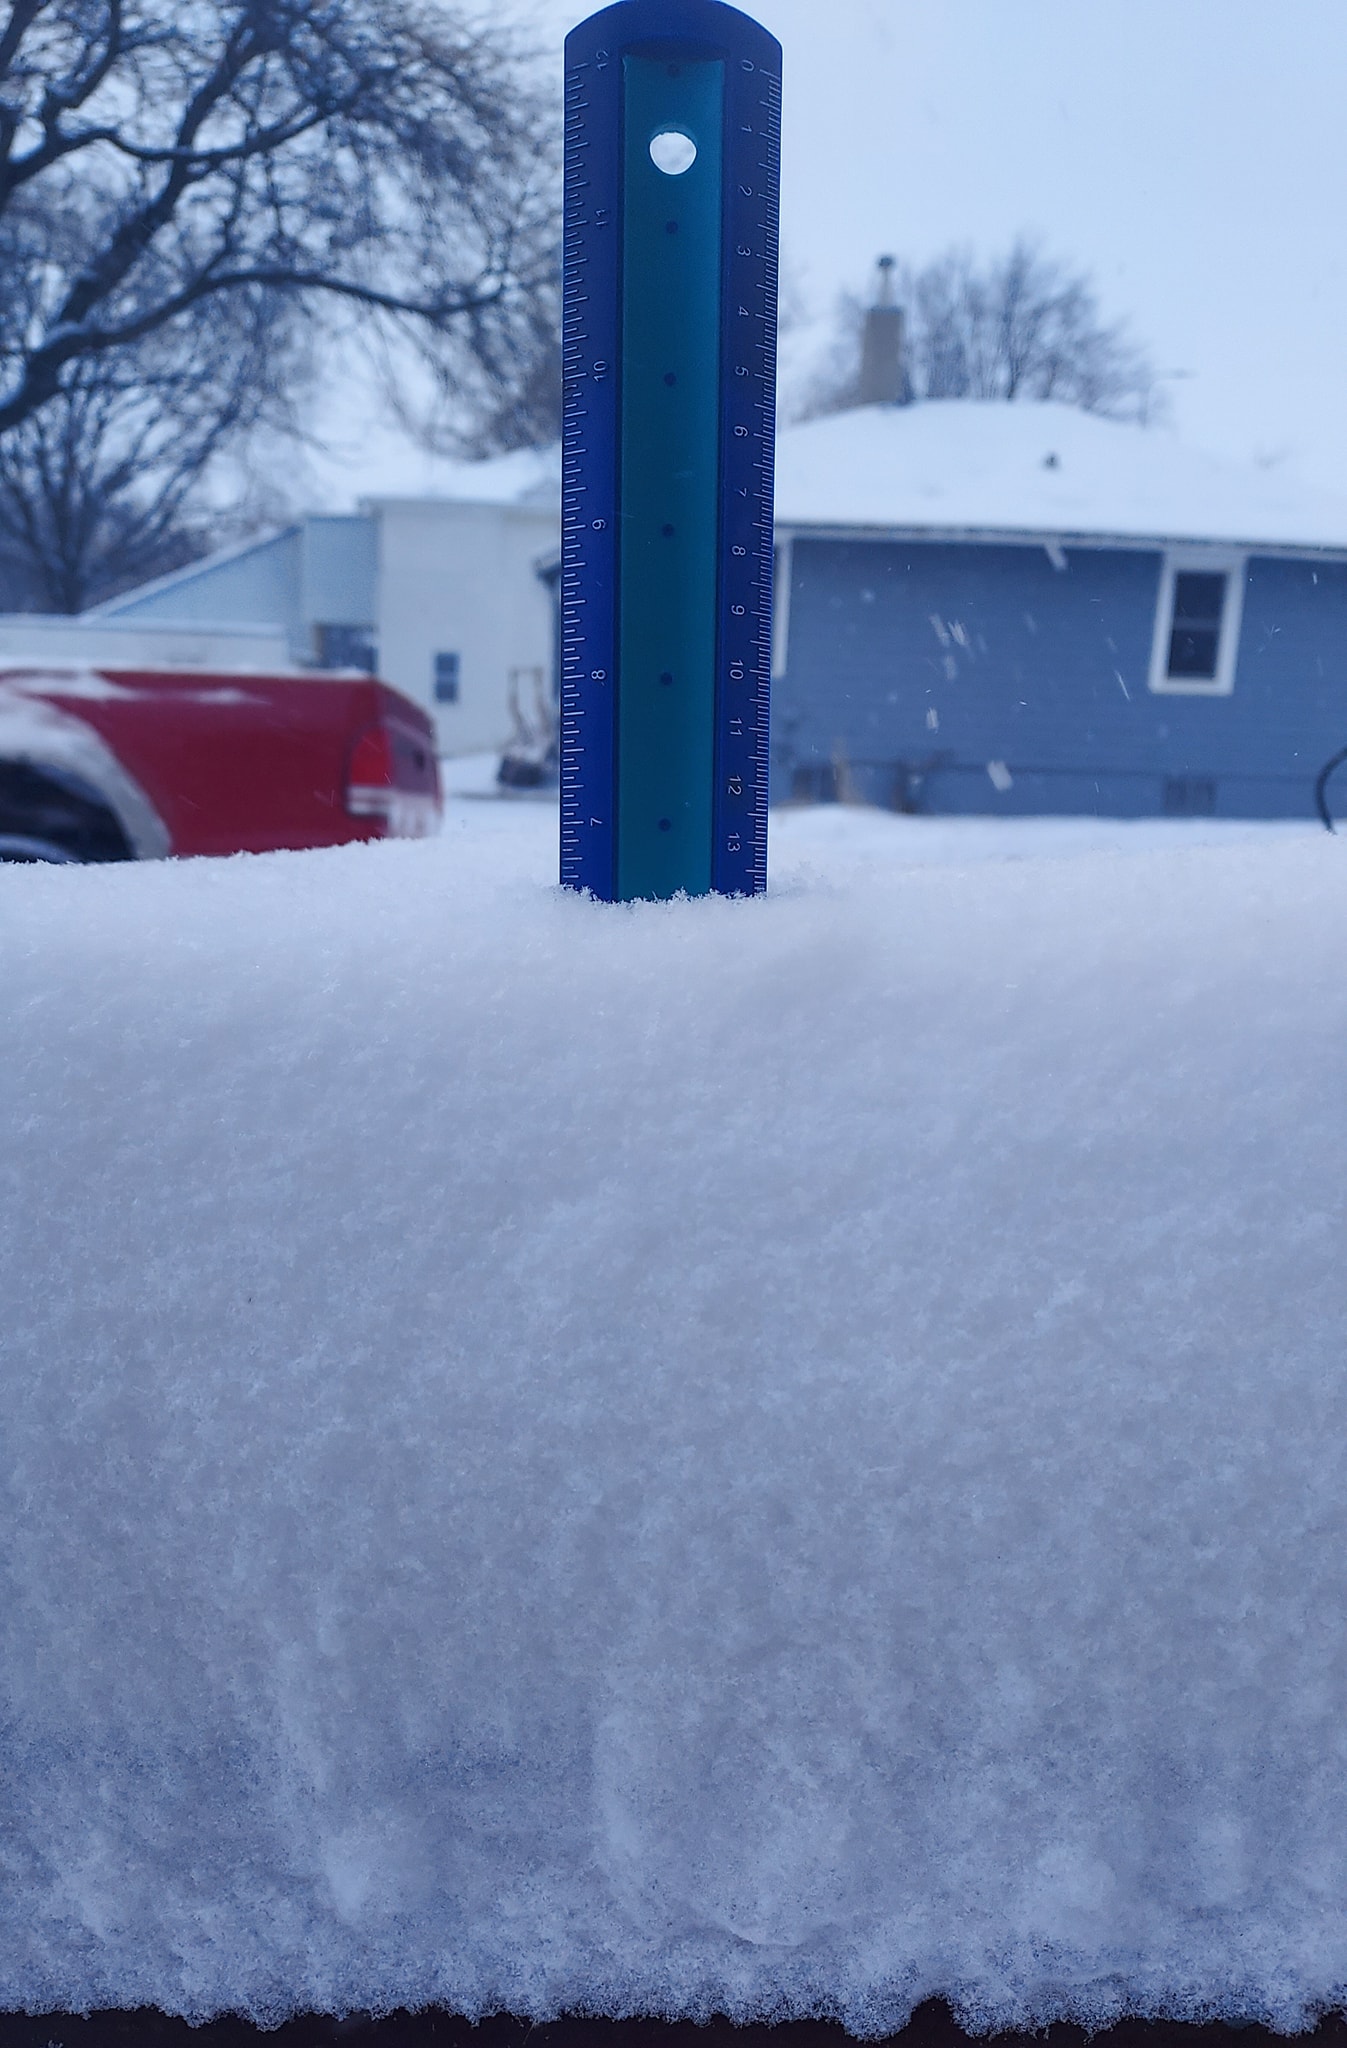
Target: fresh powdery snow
(778, 1457)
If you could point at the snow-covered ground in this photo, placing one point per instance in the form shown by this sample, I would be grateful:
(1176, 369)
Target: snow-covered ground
(781, 1456)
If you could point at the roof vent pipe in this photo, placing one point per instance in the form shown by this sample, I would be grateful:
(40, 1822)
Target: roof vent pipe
(883, 377)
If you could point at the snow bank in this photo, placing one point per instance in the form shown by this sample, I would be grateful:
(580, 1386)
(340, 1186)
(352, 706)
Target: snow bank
(781, 1457)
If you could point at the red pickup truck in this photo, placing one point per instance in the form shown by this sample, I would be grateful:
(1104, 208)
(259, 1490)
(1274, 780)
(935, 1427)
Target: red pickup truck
(101, 764)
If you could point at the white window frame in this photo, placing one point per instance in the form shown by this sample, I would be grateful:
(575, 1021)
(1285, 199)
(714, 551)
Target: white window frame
(1211, 562)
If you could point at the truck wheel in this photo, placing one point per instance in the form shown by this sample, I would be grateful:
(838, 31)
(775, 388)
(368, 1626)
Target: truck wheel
(48, 814)
(12, 847)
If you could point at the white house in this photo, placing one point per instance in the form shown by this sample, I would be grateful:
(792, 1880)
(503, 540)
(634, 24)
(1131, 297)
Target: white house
(440, 592)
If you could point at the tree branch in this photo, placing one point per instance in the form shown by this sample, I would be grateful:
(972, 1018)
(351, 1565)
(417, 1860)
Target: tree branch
(365, 153)
(43, 373)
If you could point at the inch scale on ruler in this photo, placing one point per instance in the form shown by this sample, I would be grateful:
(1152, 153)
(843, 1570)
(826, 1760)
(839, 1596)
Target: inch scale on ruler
(669, 369)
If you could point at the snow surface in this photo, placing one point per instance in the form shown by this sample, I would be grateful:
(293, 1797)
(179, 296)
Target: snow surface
(968, 466)
(783, 1456)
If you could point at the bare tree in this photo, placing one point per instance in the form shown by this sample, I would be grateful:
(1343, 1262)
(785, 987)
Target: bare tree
(507, 397)
(108, 484)
(159, 156)
(1023, 326)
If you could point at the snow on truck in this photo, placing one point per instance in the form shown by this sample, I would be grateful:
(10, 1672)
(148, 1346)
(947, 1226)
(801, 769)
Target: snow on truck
(117, 763)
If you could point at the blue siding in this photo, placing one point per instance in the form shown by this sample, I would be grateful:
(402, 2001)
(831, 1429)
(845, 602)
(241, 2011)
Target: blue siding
(1291, 682)
(320, 572)
(256, 586)
(1045, 669)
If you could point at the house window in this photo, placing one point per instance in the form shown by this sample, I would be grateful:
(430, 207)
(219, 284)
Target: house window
(347, 647)
(1197, 627)
(1189, 796)
(446, 678)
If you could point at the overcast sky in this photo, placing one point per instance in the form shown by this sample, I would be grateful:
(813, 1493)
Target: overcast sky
(1192, 154)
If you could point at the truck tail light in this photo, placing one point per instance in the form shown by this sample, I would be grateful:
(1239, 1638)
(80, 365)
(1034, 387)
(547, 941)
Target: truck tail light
(393, 779)
(370, 777)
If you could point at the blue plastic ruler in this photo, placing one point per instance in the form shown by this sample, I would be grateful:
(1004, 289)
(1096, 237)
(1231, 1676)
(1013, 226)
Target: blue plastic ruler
(669, 363)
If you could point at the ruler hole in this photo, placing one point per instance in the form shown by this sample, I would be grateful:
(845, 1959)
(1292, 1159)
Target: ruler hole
(673, 152)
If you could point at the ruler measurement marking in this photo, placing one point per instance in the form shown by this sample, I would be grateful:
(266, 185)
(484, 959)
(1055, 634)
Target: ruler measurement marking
(591, 485)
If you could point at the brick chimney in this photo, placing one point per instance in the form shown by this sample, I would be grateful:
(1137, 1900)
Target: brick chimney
(883, 376)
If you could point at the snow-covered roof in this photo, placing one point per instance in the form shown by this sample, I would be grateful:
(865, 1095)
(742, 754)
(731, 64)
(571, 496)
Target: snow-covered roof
(526, 476)
(968, 466)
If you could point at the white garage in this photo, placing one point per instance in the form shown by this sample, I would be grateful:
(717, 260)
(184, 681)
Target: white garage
(439, 592)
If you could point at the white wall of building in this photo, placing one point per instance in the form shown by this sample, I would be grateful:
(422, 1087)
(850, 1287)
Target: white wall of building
(461, 578)
(318, 573)
(257, 582)
(418, 576)
(152, 643)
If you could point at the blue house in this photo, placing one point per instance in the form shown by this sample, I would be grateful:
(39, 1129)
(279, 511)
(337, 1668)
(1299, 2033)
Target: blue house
(1028, 609)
